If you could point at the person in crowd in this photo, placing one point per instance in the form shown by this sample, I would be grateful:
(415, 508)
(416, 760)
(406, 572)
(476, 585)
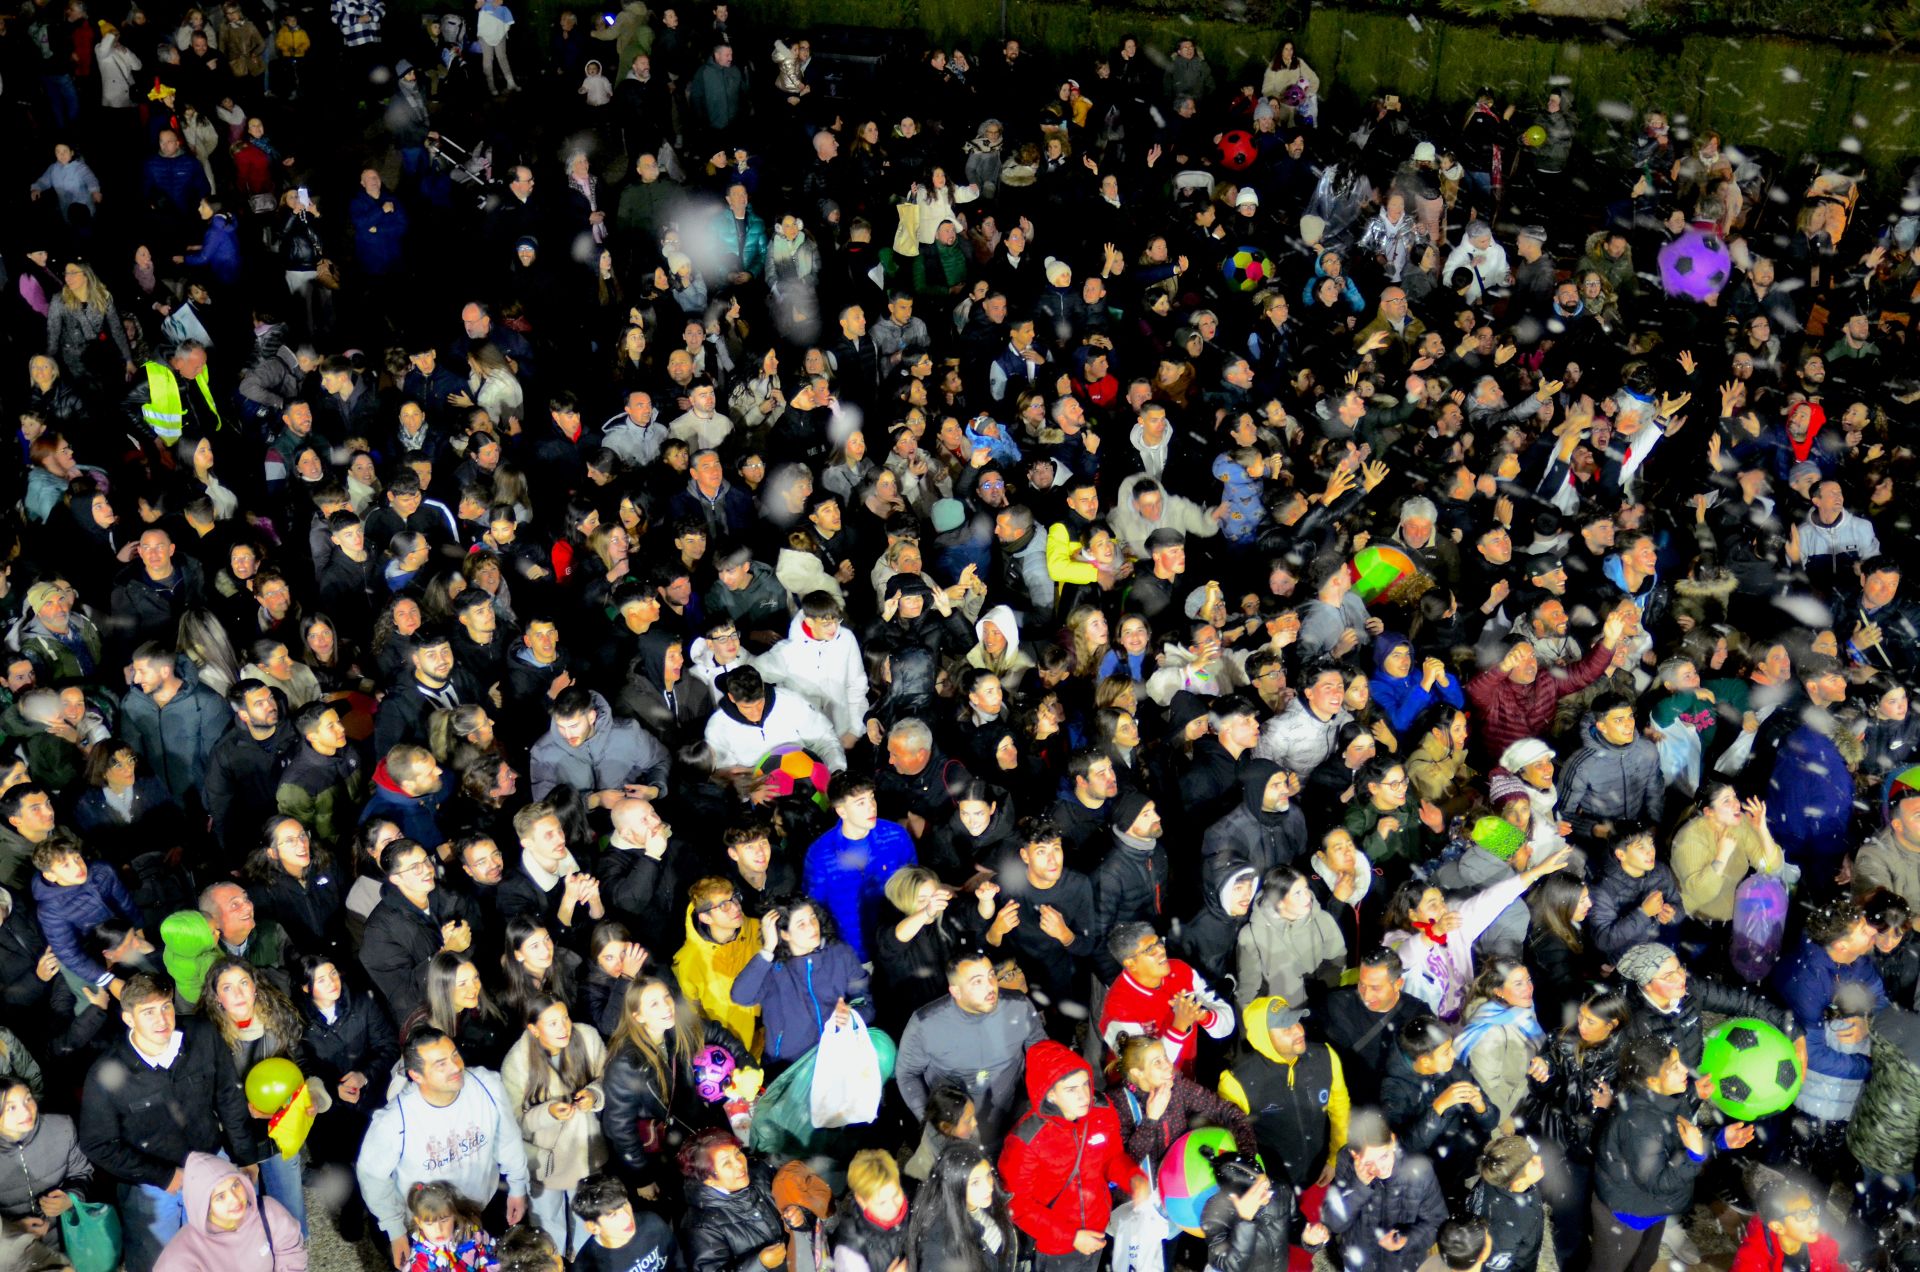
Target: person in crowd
(1539, 634)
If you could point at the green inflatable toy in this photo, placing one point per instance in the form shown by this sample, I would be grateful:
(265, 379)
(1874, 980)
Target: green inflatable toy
(188, 948)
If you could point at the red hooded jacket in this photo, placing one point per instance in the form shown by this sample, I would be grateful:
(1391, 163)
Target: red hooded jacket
(1760, 1252)
(1058, 1171)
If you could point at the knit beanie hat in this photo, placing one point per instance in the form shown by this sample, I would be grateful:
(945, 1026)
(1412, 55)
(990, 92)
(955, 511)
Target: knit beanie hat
(1641, 963)
(1498, 836)
(1126, 809)
(1503, 788)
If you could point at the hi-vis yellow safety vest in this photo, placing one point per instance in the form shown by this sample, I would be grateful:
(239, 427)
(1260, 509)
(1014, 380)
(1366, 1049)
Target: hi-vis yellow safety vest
(164, 413)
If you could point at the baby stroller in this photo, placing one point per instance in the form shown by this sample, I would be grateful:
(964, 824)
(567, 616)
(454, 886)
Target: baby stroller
(455, 167)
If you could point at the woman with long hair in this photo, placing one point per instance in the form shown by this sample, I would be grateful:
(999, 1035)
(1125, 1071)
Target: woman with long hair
(1557, 951)
(393, 631)
(652, 1085)
(1502, 1038)
(1564, 1112)
(257, 1022)
(1088, 639)
(327, 657)
(552, 1081)
(848, 469)
(534, 965)
(204, 641)
(1434, 934)
(194, 467)
(350, 1048)
(84, 331)
(962, 1223)
(459, 1006)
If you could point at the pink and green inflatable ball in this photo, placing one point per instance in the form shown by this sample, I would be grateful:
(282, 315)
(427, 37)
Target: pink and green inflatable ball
(1186, 1174)
(1248, 269)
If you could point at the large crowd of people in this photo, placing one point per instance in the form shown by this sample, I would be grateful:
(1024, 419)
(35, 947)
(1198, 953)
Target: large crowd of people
(555, 575)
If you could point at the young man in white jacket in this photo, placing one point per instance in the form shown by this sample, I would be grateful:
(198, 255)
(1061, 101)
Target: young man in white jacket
(754, 718)
(821, 661)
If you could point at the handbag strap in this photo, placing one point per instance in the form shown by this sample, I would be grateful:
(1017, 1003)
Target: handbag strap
(273, 1259)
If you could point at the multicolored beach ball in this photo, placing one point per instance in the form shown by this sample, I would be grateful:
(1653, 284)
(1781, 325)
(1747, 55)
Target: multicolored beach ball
(1186, 1174)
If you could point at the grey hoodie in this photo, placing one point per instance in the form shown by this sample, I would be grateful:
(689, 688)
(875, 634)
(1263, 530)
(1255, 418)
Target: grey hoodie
(619, 752)
(1278, 957)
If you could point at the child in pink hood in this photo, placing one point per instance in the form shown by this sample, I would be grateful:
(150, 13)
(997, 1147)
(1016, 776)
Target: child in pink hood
(226, 1230)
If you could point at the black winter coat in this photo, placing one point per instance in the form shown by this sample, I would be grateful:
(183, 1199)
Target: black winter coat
(1408, 1201)
(854, 1233)
(242, 774)
(312, 914)
(635, 1100)
(400, 941)
(725, 1232)
(1454, 1137)
(1561, 1108)
(359, 1040)
(1264, 839)
(139, 1123)
(1515, 1221)
(1642, 1167)
(1128, 885)
(1241, 1245)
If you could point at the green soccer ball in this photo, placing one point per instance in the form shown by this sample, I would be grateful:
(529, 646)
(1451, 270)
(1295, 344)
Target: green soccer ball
(1755, 1070)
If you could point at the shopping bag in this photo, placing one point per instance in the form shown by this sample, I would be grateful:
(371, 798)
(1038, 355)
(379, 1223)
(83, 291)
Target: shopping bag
(1759, 922)
(846, 1076)
(1139, 1236)
(783, 1116)
(90, 1230)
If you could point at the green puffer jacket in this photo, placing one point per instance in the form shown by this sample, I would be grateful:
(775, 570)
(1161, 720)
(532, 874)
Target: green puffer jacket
(1885, 1131)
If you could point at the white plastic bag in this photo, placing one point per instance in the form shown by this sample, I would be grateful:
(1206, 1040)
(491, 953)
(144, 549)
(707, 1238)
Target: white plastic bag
(1139, 1237)
(846, 1076)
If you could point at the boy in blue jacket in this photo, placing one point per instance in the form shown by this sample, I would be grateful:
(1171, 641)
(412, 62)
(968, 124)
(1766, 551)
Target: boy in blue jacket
(73, 898)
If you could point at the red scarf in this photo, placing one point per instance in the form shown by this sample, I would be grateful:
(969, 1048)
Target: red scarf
(882, 1224)
(1427, 930)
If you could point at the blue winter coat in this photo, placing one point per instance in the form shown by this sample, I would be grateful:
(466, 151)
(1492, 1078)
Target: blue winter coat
(1805, 982)
(378, 236)
(219, 252)
(796, 996)
(1810, 802)
(66, 913)
(1403, 698)
(417, 816)
(849, 877)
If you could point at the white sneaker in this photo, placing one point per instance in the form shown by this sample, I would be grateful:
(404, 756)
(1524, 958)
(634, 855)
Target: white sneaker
(1676, 1245)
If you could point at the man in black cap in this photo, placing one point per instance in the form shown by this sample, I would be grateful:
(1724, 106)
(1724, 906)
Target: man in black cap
(917, 614)
(1153, 594)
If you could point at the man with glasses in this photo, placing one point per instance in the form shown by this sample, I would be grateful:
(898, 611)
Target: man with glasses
(1159, 996)
(414, 920)
(720, 940)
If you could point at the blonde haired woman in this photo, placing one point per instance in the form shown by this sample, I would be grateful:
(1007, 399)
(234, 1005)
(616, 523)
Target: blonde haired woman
(80, 322)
